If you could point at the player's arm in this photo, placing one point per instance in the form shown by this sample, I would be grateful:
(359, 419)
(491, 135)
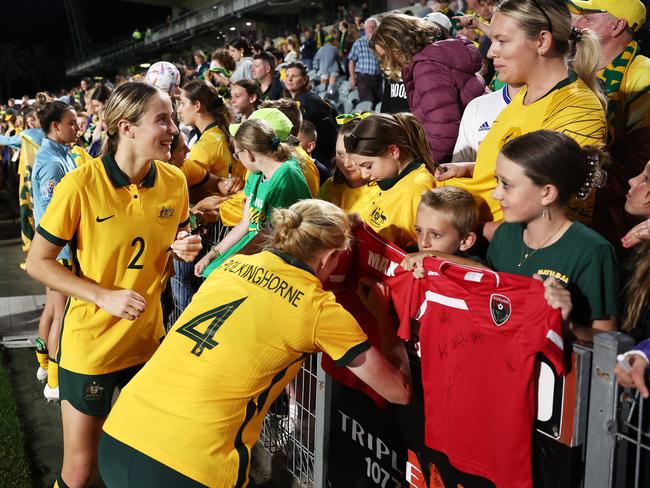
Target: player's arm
(382, 376)
(232, 238)
(43, 267)
(389, 374)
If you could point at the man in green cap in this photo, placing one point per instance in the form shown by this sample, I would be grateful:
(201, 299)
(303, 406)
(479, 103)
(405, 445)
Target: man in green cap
(625, 75)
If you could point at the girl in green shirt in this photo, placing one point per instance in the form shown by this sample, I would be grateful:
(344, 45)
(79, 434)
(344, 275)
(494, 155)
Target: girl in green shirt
(537, 174)
(275, 180)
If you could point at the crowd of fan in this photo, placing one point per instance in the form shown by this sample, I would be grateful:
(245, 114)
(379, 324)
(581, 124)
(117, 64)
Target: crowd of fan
(453, 67)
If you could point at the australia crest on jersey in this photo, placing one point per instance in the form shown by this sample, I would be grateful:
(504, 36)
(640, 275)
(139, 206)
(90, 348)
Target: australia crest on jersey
(166, 212)
(500, 309)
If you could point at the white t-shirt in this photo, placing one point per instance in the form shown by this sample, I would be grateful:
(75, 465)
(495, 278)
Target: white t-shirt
(243, 70)
(477, 120)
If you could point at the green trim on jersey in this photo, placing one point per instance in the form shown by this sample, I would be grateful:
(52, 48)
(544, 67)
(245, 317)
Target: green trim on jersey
(119, 177)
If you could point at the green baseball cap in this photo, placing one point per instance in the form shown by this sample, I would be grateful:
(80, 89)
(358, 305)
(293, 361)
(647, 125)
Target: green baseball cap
(276, 119)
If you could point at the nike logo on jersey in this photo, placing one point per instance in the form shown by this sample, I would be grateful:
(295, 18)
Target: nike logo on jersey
(484, 126)
(105, 218)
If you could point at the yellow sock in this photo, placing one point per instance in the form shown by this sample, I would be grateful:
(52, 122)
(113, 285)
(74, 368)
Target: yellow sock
(42, 358)
(53, 374)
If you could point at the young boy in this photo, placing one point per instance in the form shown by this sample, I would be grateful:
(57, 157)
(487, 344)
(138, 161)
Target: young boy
(308, 137)
(445, 225)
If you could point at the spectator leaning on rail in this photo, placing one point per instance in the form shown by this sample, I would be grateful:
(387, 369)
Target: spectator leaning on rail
(530, 43)
(439, 75)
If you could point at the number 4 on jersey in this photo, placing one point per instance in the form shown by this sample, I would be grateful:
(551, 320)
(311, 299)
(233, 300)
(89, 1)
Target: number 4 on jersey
(216, 317)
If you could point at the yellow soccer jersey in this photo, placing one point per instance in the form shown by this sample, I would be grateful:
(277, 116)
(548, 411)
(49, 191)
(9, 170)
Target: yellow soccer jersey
(211, 151)
(232, 351)
(231, 211)
(119, 235)
(194, 173)
(309, 170)
(570, 107)
(349, 199)
(391, 210)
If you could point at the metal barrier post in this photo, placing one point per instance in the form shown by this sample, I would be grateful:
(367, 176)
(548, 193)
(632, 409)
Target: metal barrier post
(323, 414)
(601, 441)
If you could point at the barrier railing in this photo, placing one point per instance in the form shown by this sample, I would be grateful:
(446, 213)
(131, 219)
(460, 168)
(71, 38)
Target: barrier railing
(605, 421)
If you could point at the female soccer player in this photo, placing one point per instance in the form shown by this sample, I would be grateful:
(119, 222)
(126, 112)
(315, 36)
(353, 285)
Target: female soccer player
(237, 345)
(53, 161)
(122, 214)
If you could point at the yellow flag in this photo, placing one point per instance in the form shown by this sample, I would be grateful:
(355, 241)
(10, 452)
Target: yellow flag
(80, 155)
(28, 152)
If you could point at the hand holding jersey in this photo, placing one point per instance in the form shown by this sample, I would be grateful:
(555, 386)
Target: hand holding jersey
(556, 296)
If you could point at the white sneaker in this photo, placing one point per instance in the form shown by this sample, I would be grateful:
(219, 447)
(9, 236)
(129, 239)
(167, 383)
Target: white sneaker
(51, 394)
(41, 374)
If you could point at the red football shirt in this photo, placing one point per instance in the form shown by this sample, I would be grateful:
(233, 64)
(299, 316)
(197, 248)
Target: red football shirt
(479, 334)
(371, 256)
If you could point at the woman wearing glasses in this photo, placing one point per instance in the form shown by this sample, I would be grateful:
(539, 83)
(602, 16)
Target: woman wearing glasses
(533, 44)
(276, 180)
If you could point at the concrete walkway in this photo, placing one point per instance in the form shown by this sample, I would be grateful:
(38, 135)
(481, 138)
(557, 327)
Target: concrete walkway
(21, 300)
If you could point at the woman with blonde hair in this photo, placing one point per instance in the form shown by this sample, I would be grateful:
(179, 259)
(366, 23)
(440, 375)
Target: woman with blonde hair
(265, 314)
(533, 44)
(123, 215)
(439, 74)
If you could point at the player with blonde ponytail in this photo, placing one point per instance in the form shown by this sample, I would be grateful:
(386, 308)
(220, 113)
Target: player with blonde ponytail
(238, 344)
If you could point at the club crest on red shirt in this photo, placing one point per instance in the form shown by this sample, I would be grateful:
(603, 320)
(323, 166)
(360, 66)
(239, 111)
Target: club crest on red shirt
(500, 309)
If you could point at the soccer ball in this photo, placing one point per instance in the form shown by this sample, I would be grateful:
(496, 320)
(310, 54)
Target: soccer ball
(163, 75)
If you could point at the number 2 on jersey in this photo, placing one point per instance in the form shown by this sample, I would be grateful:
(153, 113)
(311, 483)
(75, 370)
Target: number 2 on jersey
(134, 262)
(216, 316)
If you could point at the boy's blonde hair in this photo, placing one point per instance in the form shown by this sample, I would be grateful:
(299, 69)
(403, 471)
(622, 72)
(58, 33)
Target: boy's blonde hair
(458, 204)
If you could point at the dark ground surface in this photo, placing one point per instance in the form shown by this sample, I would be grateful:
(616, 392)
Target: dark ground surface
(40, 420)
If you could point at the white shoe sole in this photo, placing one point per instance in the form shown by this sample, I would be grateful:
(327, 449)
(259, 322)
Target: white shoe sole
(51, 394)
(41, 374)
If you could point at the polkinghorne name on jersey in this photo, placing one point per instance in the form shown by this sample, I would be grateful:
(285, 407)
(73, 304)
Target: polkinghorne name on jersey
(263, 278)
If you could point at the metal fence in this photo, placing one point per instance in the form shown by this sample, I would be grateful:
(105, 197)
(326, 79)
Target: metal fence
(610, 422)
(616, 434)
(183, 283)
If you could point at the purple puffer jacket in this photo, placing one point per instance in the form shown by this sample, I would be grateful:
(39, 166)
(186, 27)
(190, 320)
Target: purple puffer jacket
(440, 81)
